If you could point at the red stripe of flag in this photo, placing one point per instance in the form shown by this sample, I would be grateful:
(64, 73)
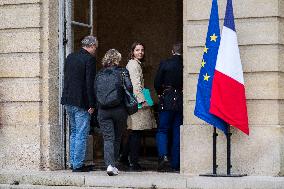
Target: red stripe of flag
(228, 101)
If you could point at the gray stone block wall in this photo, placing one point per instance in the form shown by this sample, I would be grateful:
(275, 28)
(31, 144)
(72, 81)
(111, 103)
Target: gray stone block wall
(29, 131)
(19, 85)
(260, 35)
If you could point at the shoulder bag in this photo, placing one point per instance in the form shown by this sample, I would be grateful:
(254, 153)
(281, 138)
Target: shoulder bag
(130, 101)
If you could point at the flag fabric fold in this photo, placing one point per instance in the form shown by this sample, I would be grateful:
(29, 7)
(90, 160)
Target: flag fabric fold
(207, 70)
(228, 100)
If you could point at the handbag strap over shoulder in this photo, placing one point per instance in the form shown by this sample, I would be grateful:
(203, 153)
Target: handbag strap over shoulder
(123, 79)
(123, 75)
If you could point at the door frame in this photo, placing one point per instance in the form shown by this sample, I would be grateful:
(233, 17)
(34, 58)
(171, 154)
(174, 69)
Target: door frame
(66, 46)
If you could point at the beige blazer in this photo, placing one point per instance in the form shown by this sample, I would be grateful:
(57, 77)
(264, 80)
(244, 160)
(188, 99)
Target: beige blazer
(144, 118)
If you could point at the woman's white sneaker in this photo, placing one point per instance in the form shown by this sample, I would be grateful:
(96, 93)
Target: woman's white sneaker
(116, 170)
(112, 171)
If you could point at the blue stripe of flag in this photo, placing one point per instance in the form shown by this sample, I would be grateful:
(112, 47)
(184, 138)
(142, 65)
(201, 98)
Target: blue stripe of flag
(229, 16)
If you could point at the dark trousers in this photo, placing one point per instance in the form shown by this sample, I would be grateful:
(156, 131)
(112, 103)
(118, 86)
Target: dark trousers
(112, 123)
(170, 121)
(132, 146)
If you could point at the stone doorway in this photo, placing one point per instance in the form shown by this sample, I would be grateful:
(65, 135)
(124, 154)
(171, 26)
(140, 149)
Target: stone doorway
(117, 24)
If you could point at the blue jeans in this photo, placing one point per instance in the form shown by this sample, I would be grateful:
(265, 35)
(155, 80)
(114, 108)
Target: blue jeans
(169, 121)
(79, 130)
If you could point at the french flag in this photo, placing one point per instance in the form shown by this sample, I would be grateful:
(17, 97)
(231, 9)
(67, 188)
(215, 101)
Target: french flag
(228, 100)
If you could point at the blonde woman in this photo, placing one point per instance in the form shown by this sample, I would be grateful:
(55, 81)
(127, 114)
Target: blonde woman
(143, 119)
(112, 115)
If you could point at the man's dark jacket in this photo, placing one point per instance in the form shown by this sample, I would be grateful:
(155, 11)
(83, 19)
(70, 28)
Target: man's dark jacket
(169, 83)
(79, 76)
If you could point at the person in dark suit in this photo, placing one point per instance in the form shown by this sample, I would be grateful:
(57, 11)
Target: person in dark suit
(79, 99)
(168, 85)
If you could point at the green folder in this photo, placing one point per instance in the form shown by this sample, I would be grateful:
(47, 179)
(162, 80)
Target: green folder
(148, 98)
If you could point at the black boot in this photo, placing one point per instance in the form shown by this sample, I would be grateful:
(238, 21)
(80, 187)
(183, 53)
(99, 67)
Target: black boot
(123, 160)
(163, 164)
(136, 167)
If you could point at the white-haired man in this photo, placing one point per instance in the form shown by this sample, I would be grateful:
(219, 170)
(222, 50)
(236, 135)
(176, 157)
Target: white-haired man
(79, 99)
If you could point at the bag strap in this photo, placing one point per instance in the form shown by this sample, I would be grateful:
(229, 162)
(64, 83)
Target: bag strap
(123, 74)
(123, 79)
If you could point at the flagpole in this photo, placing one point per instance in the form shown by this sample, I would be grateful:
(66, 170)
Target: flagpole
(229, 165)
(215, 166)
(215, 134)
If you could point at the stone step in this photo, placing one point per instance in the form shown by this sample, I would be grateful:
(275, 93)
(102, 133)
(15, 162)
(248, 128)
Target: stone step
(131, 180)
(23, 186)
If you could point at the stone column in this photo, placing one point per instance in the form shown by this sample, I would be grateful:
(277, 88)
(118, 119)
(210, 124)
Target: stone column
(260, 30)
(52, 147)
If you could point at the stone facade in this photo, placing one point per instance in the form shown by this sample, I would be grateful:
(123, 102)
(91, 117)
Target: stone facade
(30, 136)
(29, 131)
(259, 25)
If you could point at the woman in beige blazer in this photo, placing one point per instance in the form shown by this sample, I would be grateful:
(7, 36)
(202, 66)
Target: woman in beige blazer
(144, 118)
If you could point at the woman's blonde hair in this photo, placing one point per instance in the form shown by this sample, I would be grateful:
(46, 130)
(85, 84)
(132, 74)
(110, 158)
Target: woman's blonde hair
(111, 58)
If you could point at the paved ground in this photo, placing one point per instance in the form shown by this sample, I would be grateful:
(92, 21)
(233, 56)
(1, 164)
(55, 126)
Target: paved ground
(151, 180)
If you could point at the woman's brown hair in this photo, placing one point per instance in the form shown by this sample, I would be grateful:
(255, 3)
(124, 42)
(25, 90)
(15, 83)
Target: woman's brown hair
(131, 54)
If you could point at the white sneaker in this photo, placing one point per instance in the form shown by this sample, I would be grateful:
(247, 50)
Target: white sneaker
(116, 170)
(112, 171)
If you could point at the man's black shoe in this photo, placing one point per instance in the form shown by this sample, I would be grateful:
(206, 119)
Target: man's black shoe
(84, 168)
(91, 167)
(163, 164)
